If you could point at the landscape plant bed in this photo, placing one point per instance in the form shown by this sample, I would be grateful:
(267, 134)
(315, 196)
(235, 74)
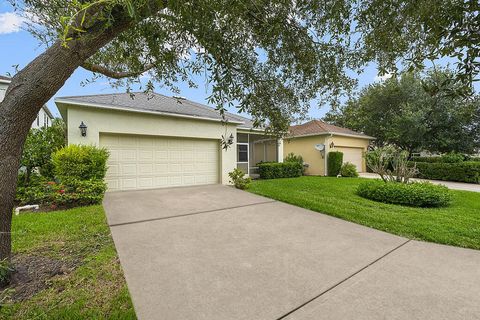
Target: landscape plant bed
(66, 268)
(458, 224)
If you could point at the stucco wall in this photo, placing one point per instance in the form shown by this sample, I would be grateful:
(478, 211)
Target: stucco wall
(304, 146)
(351, 142)
(111, 121)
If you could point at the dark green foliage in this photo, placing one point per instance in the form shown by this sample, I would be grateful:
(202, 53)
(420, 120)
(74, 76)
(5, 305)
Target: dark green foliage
(463, 171)
(74, 193)
(452, 157)
(349, 170)
(237, 177)
(39, 146)
(334, 163)
(80, 162)
(291, 157)
(426, 159)
(405, 112)
(5, 270)
(275, 170)
(417, 194)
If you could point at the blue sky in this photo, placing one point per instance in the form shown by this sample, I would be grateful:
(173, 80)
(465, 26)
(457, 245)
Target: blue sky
(18, 47)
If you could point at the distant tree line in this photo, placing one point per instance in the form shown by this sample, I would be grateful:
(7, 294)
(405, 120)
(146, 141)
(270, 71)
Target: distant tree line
(415, 112)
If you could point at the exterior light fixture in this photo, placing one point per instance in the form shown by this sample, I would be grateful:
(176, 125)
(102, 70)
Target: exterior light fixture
(83, 129)
(332, 145)
(230, 139)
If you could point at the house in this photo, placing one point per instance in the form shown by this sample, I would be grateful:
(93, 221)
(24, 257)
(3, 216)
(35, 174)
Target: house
(159, 141)
(315, 139)
(44, 116)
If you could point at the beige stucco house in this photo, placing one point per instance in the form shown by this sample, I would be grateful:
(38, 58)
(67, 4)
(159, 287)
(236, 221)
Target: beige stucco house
(310, 138)
(158, 141)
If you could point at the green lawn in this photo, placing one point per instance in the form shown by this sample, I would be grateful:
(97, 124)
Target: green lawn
(93, 287)
(458, 224)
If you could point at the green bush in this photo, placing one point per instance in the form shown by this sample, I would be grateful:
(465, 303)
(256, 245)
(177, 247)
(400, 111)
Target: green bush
(5, 270)
(417, 194)
(291, 157)
(237, 177)
(452, 157)
(427, 159)
(334, 163)
(349, 170)
(463, 171)
(80, 162)
(275, 170)
(72, 194)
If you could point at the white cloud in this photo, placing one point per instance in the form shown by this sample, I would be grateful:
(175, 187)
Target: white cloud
(379, 78)
(10, 22)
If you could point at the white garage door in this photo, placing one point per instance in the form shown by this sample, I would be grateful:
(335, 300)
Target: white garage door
(353, 155)
(147, 162)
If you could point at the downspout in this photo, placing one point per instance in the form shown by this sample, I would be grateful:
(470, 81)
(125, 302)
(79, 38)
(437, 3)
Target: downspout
(327, 147)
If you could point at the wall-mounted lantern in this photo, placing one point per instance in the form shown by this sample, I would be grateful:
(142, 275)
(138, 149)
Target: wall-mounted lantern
(83, 129)
(332, 145)
(230, 139)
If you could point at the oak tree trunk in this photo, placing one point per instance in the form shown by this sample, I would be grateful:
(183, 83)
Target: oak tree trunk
(29, 90)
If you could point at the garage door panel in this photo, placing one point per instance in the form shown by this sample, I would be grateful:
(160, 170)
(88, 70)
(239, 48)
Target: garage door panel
(144, 162)
(354, 156)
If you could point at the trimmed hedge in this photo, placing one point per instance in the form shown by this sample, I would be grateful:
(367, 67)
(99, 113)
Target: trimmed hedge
(417, 194)
(461, 171)
(80, 162)
(275, 170)
(334, 163)
(349, 170)
(427, 159)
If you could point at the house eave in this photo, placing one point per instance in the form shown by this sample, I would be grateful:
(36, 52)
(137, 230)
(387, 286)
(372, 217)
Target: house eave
(158, 113)
(332, 134)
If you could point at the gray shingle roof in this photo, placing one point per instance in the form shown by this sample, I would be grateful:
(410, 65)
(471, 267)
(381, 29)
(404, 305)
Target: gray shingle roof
(154, 102)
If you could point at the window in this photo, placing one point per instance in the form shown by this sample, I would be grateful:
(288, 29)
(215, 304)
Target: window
(242, 152)
(38, 120)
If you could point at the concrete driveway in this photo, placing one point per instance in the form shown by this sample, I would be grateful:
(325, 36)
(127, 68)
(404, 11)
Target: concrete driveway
(214, 252)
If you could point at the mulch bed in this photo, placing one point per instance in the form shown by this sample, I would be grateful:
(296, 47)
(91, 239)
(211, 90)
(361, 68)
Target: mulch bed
(32, 274)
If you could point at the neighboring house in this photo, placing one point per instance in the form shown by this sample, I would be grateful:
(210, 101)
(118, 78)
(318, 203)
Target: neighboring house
(306, 140)
(44, 116)
(158, 141)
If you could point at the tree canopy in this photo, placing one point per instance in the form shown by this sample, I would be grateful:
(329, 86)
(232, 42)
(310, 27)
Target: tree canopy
(408, 113)
(268, 58)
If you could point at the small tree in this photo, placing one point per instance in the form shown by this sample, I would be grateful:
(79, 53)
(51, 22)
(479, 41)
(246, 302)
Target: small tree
(391, 164)
(39, 146)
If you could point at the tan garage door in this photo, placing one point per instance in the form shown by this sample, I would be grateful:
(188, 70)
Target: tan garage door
(147, 162)
(353, 155)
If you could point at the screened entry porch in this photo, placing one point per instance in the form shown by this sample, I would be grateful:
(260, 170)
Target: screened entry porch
(253, 148)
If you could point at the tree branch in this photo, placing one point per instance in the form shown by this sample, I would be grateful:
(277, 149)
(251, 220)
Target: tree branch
(115, 74)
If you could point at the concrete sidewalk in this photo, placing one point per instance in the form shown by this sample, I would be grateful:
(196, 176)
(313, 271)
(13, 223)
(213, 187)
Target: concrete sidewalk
(450, 184)
(214, 252)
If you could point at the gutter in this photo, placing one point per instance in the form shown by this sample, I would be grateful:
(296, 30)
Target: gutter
(333, 134)
(160, 113)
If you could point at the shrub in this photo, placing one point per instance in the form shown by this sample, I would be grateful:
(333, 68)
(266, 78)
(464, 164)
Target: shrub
(426, 159)
(291, 157)
(416, 194)
(334, 163)
(275, 170)
(5, 270)
(38, 149)
(349, 170)
(80, 162)
(462, 171)
(391, 164)
(74, 193)
(237, 177)
(452, 157)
